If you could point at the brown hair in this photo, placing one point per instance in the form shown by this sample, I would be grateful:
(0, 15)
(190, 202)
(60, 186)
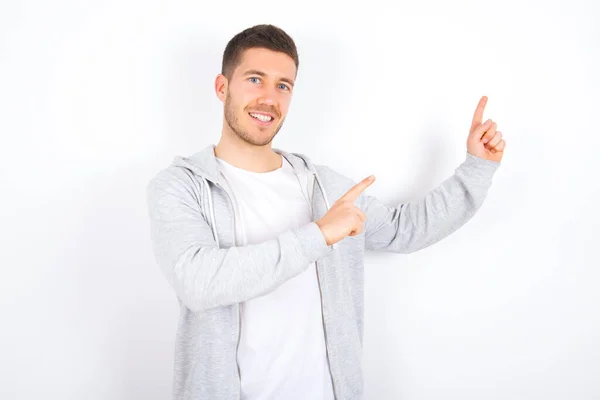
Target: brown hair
(265, 36)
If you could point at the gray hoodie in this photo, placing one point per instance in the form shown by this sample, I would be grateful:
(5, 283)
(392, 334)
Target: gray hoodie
(193, 232)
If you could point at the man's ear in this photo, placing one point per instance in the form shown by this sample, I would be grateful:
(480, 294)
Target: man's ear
(221, 87)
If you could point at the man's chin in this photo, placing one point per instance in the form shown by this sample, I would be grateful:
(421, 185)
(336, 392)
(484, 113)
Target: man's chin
(260, 139)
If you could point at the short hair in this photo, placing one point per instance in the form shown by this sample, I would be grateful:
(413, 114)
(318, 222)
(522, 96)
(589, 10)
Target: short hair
(265, 36)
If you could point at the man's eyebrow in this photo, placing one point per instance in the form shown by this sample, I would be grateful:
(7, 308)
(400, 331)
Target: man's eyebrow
(260, 73)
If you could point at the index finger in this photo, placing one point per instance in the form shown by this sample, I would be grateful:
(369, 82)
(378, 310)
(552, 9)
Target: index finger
(478, 116)
(357, 189)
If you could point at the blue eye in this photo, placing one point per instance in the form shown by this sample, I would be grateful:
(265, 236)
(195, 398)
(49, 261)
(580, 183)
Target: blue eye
(254, 78)
(284, 86)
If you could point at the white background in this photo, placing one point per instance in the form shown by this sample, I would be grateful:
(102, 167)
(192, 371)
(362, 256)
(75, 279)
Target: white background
(96, 97)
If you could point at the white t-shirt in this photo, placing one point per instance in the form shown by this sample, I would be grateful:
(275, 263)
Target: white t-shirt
(282, 351)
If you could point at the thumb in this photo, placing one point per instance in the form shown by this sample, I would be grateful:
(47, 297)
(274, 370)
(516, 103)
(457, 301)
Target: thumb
(480, 130)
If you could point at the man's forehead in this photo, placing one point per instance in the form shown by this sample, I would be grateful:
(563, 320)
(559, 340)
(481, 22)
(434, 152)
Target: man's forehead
(267, 63)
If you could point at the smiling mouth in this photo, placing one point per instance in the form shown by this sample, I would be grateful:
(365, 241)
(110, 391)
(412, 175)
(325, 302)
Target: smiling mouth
(265, 119)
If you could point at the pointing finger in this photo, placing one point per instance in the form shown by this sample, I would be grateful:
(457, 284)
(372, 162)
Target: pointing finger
(478, 116)
(357, 189)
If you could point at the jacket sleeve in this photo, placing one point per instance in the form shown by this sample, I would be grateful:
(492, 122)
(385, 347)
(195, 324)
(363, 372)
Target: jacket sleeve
(415, 225)
(204, 276)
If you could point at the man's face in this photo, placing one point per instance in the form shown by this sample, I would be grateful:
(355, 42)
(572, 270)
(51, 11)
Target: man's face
(258, 95)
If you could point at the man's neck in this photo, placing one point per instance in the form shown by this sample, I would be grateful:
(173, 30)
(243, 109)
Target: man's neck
(246, 156)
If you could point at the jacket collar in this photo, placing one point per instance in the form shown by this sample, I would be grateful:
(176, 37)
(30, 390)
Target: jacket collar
(204, 163)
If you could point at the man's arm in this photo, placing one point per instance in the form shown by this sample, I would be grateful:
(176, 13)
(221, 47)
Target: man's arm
(204, 276)
(415, 225)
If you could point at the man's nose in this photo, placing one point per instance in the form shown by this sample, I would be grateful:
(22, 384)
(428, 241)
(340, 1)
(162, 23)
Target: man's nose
(268, 96)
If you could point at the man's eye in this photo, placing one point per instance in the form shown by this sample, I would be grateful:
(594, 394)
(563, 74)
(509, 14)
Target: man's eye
(285, 87)
(254, 78)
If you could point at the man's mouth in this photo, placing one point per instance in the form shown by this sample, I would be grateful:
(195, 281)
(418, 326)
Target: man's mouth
(263, 119)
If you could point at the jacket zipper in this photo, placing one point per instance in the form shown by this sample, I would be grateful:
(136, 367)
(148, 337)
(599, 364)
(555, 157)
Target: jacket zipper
(321, 294)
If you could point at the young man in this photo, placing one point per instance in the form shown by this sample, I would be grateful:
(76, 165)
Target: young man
(264, 249)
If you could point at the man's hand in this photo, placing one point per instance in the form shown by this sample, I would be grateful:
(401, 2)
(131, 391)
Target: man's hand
(344, 218)
(484, 140)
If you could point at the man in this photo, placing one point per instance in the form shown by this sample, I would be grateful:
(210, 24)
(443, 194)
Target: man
(264, 249)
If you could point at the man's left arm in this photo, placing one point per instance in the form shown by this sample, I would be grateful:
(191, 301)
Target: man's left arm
(412, 226)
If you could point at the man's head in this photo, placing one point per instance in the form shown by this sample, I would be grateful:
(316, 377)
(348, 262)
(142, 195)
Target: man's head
(257, 76)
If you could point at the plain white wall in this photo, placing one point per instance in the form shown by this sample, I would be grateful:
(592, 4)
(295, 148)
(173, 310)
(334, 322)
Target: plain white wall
(96, 97)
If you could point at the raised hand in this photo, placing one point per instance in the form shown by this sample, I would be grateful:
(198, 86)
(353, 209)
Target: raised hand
(344, 218)
(484, 140)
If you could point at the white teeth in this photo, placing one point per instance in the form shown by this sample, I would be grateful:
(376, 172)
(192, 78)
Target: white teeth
(264, 118)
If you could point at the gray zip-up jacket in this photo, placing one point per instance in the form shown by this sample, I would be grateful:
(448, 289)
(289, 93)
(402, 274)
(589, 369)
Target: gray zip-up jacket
(193, 239)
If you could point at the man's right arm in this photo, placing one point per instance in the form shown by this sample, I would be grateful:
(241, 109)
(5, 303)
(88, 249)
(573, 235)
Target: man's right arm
(204, 276)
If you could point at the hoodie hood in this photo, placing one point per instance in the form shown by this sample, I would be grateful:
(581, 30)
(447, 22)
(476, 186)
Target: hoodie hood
(204, 163)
